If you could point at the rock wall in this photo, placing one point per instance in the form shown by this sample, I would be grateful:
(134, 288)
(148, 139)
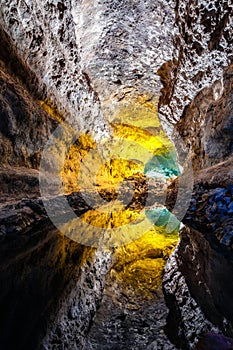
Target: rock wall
(24, 125)
(204, 253)
(57, 278)
(46, 279)
(196, 280)
(84, 54)
(186, 321)
(87, 59)
(202, 50)
(44, 35)
(20, 114)
(209, 115)
(51, 285)
(81, 55)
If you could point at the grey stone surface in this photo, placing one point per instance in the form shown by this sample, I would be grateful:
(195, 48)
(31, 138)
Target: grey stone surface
(202, 50)
(78, 305)
(44, 35)
(116, 327)
(86, 57)
(189, 322)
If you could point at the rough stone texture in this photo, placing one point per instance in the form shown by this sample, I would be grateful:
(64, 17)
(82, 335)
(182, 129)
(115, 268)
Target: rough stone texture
(86, 59)
(198, 95)
(77, 306)
(211, 211)
(17, 182)
(132, 313)
(24, 126)
(209, 116)
(44, 35)
(202, 50)
(195, 278)
(60, 284)
(204, 255)
(67, 47)
(131, 41)
(116, 327)
(48, 264)
(186, 321)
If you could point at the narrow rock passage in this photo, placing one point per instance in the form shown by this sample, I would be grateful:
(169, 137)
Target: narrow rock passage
(129, 323)
(132, 314)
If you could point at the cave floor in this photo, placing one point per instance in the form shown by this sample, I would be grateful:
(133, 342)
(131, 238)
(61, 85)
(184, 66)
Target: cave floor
(125, 320)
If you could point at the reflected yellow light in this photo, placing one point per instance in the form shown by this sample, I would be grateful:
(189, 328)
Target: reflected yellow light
(158, 145)
(137, 137)
(117, 170)
(110, 216)
(138, 266)
(136, 122)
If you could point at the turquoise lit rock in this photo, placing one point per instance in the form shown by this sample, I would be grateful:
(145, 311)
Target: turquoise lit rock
(163, 217)
(165, 166)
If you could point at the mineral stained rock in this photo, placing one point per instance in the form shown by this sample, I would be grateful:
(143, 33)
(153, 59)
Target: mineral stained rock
(94, 64)
(202, 263)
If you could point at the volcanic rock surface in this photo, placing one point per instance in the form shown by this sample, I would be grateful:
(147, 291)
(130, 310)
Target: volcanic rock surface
(103, 66)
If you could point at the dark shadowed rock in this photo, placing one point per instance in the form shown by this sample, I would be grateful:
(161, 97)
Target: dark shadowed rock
(213, 341)
(85, 61)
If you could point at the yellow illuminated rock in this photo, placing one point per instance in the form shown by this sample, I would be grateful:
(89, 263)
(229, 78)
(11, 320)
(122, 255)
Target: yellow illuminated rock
(132, 145)
(52, 110)
(70, 170)
(138, 266)
(159, 144)
(140, 111)
(112, 176)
